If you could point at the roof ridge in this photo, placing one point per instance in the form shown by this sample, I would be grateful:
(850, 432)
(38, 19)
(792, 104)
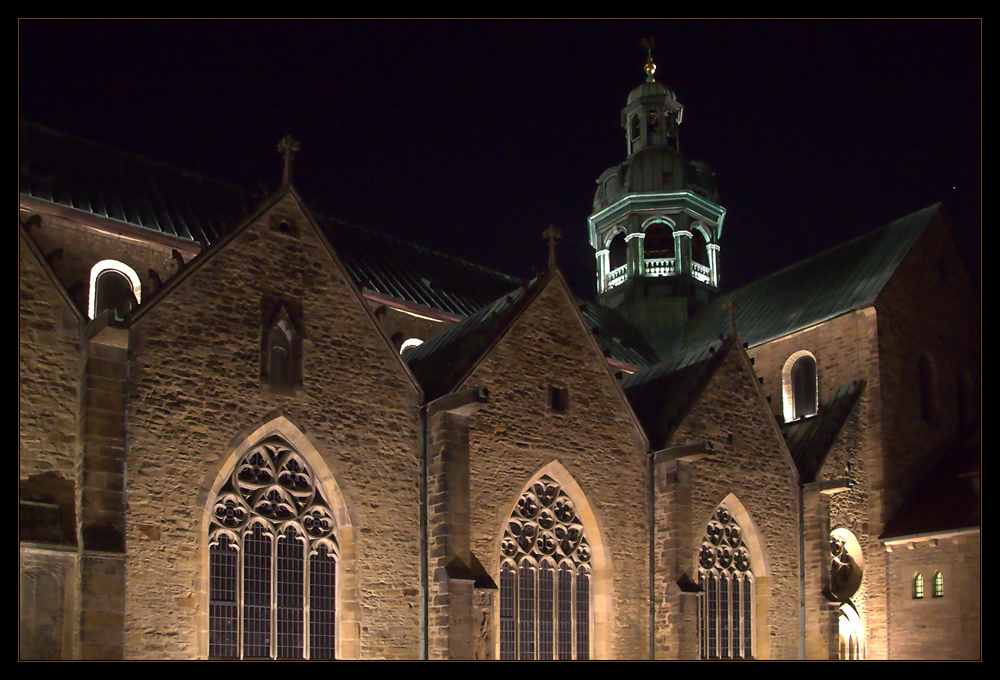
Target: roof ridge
(129, 154)
(372, 230)
(839, 246)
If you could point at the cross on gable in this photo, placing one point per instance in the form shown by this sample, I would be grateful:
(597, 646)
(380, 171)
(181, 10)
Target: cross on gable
(288, 146)
(551, 234)
(730, 306)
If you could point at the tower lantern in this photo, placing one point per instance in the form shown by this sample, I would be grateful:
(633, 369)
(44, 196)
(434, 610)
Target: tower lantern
(656, 223)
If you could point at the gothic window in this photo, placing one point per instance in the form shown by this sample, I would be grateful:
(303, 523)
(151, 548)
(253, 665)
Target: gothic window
(281, 361)
(545, 578)
(938, 587)
(918, 586)
(114, 286)
(727, 582)
(272, 561)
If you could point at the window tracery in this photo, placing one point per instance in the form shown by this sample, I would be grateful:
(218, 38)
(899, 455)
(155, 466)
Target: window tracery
(727, 581)
(271, 548)
(545, 578)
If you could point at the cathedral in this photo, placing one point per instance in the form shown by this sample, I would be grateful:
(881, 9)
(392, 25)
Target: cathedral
(250, 431)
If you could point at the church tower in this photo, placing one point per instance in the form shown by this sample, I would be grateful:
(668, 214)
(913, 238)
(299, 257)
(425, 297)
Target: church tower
(656, 223)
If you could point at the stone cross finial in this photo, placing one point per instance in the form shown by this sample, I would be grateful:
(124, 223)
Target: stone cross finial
(730, 306)
(288, 146)
(552, 234)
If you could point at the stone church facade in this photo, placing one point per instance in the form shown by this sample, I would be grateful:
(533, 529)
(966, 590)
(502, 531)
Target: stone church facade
(249, 431)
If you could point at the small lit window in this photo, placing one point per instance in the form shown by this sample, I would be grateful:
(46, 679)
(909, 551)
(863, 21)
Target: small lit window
(938, 584)
(918, 586)
(410, 344)
(114, 286)
(800, 386)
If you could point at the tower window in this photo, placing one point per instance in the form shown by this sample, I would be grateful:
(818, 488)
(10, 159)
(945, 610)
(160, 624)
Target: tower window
(918, 586)
(272, 533)
(545, 578)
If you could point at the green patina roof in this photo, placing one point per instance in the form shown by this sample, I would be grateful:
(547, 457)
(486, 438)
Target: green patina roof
(832, 283)
(98, 180)
(810, 439)
(394, 268)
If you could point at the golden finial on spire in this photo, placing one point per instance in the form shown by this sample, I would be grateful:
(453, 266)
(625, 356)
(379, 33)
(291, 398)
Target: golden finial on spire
(650, 68)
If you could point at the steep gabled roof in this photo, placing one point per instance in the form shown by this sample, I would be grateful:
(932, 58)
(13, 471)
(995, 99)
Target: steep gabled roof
(389, 266)
(662, 394)
(949, 499)
(809, 439)
(110, 184)
(832, 283)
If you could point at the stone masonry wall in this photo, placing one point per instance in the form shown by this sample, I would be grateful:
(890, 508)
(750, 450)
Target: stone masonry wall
(83, 247)
(595, 440)
(748, 462)
(933, 628)
(49, 371)
(929, 306)
(196, 384)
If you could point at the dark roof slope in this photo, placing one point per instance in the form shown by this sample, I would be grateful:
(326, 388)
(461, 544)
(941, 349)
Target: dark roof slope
(392, 267)
(441, 362)
(662, 394)
(839, 280)
(810, 439)
(948, 499)
(111, 184)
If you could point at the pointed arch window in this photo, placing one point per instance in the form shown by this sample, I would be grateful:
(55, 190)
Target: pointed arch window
(272, 561)
(938, 586)
(726, 579)
(545, 578)
(800, 386)
(918, 586)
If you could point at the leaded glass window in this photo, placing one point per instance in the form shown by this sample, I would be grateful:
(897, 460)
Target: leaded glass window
(938, 584)
(918, 586)
(725, 615)
(272, 561)
(545, 578)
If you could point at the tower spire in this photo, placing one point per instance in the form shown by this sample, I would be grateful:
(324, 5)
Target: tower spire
(649, 43)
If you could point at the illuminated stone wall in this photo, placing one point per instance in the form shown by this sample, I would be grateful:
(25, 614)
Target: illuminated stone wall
(595, 443)
(196, 391)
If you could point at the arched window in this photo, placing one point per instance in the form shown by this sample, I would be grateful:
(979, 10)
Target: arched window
(918, 586)
(699, 248)
(113, 285)
(659, 241)
(804, 387)
(727, 582)
(272, 560)
(938, 588)
(617, 251)
(799, 386)
(545, 578)
(927, 388)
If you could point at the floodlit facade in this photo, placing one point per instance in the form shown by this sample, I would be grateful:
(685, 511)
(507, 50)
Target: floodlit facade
(249, 431)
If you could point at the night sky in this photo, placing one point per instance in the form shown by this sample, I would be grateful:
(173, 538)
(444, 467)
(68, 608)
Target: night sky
(472, 137)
